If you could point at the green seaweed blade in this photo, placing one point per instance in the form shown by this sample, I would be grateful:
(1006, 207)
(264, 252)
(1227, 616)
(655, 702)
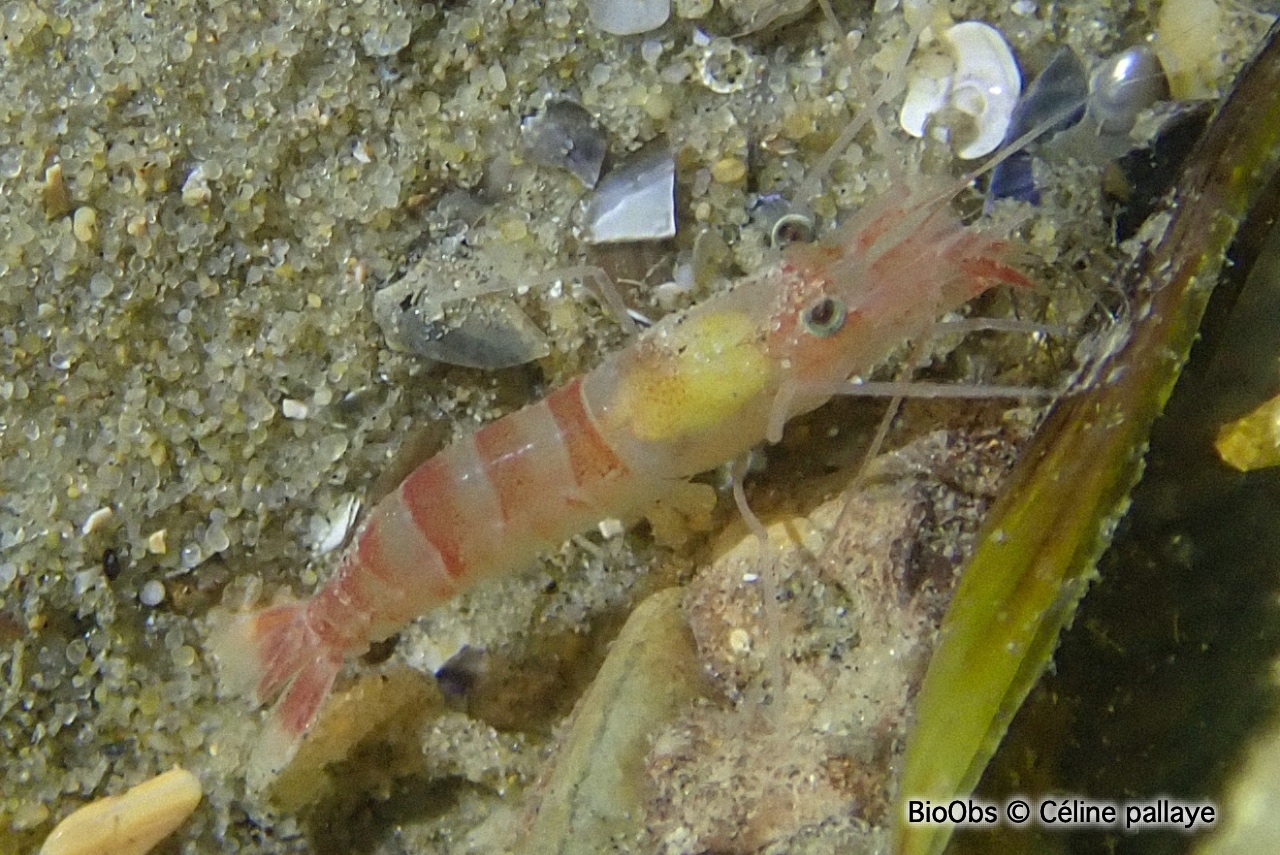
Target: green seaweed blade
(1039, 548)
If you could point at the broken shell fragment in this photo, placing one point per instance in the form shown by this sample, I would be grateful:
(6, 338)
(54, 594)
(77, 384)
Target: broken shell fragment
(331, 532)
(487, 332)
(379, 712)
(567, 136)
(628, 17)
(1191, 38)
(1057, 95)
(973, 101)
(457, 311)
(753, 16)
(57, 197)
(725, 67)
(636, 201)
(131, 823)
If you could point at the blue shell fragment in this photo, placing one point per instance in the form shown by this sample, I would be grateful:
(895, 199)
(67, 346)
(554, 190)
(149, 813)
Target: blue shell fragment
(1059, 93)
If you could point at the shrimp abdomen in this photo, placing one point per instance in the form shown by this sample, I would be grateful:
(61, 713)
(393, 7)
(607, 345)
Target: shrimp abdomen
(487, 504)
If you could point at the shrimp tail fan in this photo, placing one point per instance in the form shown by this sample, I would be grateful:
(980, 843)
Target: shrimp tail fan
(274, 653)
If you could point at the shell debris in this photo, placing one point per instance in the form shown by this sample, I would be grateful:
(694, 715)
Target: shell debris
(565, 135)
(974, 99)
(628, 17)
(368, 738)
(97, 520)
(452, 310)
(1124, 85)
(131, 823)
(635, 201)
(1056, 93)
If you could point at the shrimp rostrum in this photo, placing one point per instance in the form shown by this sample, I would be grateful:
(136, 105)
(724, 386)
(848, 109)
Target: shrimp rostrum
(694, 391)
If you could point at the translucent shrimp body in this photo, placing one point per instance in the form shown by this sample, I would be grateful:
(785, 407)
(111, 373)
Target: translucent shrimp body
(694, 391)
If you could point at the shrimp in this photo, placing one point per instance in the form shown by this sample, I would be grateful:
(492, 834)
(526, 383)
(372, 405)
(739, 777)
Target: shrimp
(696, 390)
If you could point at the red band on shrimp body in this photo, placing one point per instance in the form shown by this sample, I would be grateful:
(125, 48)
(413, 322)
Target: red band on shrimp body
(395, 566)
(590, 457)
(369, 554)
(504, 449)
(429, 493)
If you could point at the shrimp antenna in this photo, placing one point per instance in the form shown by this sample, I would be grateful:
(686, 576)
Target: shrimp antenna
(892, 86)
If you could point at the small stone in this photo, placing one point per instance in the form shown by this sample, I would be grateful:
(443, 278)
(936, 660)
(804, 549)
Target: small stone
(84, 224)
(628, 17)
(195, 190)
(101, 285)
(657, 106)
(292, 409)
(57, 199)
(730, 170)
(131, 823)
(388, 37)
(152, 594)
(29, 816)
(693, 9)
(10, 163)
(156, 543)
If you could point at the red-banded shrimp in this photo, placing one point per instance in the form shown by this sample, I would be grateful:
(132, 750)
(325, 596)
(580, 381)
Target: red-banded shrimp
(696, 390)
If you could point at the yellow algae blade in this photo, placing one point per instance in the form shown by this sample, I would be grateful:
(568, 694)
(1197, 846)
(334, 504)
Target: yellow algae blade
(1252, 441)
(1039, 549)
(131, 823)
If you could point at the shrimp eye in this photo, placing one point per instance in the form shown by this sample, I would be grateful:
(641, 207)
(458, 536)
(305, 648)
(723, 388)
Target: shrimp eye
(825, 317)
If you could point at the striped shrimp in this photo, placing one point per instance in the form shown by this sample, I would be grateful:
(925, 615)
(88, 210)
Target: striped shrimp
(696, 390)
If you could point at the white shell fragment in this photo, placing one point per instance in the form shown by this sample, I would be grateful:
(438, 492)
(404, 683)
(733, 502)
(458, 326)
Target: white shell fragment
(973, 100)
(99, 519)
(628, 17)
(131, 823)
(331, 532)
(637, 200)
